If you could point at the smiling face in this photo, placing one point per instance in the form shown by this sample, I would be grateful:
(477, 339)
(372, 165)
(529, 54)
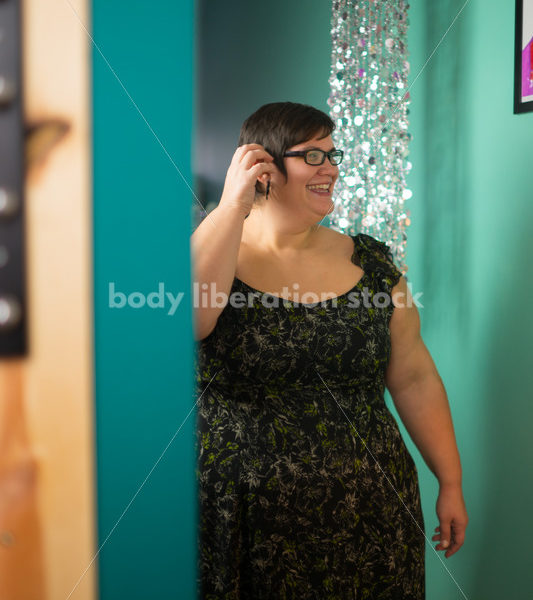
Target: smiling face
(299, 193)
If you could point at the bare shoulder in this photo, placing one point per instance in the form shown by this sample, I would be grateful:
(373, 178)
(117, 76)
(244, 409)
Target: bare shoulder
(335, 241)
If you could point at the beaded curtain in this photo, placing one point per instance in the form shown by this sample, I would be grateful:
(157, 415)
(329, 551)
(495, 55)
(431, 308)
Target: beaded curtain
(368, 103)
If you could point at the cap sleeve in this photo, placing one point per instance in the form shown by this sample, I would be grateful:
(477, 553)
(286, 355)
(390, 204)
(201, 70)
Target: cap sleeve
(376, 259)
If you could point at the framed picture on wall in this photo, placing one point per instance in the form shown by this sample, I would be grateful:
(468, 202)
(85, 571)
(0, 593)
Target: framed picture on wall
(523, 73)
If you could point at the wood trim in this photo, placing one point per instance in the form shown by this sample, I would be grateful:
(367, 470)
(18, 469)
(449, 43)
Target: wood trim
(46, 399)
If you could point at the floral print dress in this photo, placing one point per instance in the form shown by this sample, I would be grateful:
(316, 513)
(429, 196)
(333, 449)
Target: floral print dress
(306, 489)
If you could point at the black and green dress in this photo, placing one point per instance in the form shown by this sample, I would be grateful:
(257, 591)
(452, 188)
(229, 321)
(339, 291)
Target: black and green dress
(306, 489)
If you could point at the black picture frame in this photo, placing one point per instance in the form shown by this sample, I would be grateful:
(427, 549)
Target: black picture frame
(523, 55)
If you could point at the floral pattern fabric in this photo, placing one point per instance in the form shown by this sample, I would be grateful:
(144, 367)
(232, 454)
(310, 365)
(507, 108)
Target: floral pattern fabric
(306, 489)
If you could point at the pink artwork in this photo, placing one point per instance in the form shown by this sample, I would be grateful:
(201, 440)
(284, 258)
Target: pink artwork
(523, 61)
(527, 69)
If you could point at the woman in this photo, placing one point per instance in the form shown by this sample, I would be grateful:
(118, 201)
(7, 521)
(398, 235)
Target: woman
(306, 488)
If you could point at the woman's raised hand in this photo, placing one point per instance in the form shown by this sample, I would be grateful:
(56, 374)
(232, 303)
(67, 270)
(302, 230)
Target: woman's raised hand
(249, 162)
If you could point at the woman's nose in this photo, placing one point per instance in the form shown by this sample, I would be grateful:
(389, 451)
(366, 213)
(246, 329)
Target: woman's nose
(327, 167)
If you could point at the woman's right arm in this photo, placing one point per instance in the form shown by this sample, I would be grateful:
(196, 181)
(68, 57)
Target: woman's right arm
(216, 241)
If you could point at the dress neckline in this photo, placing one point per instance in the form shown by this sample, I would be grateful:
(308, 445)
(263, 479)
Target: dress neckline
(313, 304)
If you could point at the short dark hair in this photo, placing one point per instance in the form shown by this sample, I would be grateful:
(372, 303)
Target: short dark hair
(280, 125)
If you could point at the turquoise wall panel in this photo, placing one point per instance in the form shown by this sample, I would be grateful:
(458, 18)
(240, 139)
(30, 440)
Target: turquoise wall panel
(469, 251)
(143, 114)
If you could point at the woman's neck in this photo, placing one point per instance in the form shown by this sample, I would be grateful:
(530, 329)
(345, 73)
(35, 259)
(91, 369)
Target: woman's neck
(261, 232)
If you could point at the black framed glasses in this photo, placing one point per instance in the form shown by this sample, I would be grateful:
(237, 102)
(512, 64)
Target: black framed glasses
(317, 157)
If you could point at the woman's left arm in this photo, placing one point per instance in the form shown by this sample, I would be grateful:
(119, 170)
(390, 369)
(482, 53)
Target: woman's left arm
(421, 401)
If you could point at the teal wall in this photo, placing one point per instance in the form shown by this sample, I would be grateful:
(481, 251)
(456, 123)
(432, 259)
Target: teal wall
(143, 356)
(469, 250)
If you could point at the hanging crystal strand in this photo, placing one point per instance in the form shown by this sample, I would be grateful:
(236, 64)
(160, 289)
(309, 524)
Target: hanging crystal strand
(369, 104)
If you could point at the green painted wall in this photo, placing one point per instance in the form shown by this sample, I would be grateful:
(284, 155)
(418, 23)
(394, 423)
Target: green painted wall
(469, 251)
(143, 356)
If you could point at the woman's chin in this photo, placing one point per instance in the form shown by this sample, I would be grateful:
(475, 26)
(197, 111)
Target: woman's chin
(326, 208)
(324, 201)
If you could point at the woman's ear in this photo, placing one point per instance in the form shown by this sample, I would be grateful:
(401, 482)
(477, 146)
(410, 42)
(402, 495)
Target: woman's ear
(260, 184)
